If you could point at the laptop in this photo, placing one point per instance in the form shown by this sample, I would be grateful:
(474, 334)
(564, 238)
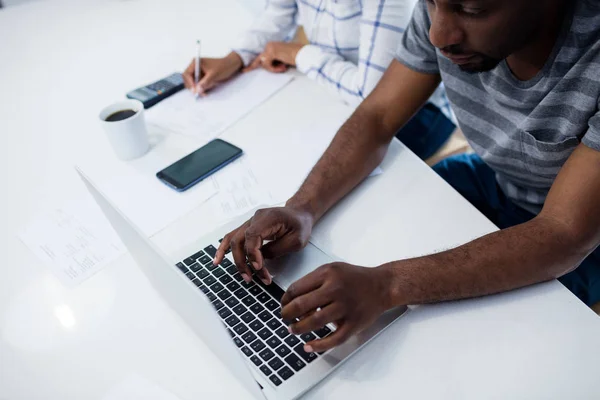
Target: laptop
(241, 323)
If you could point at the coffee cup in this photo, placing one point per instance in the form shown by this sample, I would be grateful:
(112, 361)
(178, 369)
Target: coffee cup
(125, 127)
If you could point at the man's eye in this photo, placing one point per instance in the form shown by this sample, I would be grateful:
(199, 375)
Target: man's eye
(472, 11)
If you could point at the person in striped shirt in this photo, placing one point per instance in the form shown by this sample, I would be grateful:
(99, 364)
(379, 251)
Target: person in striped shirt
(523, 78)
(352, 42)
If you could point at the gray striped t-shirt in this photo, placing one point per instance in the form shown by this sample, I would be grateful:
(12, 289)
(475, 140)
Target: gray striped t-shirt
(524, 130)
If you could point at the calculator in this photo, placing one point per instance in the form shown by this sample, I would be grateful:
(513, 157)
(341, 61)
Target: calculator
(151, 94)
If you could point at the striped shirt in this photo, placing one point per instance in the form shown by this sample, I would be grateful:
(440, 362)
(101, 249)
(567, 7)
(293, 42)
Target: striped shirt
(524, 130)
(352, 42)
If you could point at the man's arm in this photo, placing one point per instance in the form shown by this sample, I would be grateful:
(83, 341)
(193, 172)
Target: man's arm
(547, 247)
(362, 142)
(550, 245)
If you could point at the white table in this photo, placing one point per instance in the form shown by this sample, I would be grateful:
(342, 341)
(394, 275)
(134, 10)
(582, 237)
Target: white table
(59, 65)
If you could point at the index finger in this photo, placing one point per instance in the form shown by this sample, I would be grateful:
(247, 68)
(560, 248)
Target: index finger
(302, 286)
(188, 79)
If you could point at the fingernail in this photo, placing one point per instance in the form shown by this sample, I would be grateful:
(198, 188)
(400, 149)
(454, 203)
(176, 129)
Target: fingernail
(290, 329)
(255, 265)
(266, 281)
(308, 348)
(246, 278)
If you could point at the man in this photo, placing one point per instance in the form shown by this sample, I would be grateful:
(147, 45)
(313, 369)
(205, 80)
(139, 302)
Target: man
(351, 43)
(523, 79)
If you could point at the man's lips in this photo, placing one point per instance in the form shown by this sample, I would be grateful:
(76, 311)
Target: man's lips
(459, 59)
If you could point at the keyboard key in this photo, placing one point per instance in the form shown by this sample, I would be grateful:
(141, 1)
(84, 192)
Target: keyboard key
(232, 302)
(249, 337)
(255, 290)
(224, 294)
(225, 279)
(211, 296)
(195, 267)
(238, 277)
(265, 370)
(273, 289)
(240, 293)
(239, 309)
(272, 305)
(307, 337)
(256, 325)
(249, 300)
(277, 313)
(238, 342)
(202, 273)
(255, 360)
(264, 333)
(282, 332)
(210, 250)
(240, 329)
(224, 313)
(230, 333)
(291, 341)
(247, 351)
(266, 354)
(324, 331)
(205, 259)
(263, 297)
(182, 267)
(232, 320)
(285, 373)
(276, 363)
(209, 280)
(276, 381)
(282, 351)
(248, 317)
(233, 286)
(197, 282)
(231, 269)
(204, 289)
(226, 263)
(189, 261)
(308, 357)
(218, 272)
(265, 316)
(210, 266)
(247, 285)
(273, 342)
(216, 287)
(257, 346)
(190, 276)
(218, 304)
(197, 255)
(257, 308)
(274, 324)
(295, 362)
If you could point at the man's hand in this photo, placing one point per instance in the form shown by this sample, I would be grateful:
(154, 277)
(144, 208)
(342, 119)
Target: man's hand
(351, 297)
(276, 57)
(288, 230)
(212, 72)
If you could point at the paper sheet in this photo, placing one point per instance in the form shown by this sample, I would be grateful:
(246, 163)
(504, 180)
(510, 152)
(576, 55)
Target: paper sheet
(74, 240)
(210, 115)
(143, 198)
(136, 387)
(239, 191)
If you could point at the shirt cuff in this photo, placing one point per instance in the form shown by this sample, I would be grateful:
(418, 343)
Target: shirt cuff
(308, 57)
(246, 56)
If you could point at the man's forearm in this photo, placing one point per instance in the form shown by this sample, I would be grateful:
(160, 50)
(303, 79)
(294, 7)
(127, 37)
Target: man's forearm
(526, 254)
(361, 143)
(357, 149)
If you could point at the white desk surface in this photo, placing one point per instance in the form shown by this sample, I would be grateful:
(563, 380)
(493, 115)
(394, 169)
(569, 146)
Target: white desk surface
(60, 64)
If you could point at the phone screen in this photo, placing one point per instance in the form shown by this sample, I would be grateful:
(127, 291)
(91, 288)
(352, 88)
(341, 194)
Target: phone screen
(199, 164)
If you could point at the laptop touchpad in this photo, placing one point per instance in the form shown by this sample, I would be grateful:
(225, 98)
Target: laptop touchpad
(288, 269)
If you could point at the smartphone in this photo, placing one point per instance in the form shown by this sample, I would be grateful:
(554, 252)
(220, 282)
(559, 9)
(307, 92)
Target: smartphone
(199, 165)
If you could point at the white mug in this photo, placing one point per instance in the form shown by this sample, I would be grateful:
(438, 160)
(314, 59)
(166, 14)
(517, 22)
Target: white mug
(128, 137)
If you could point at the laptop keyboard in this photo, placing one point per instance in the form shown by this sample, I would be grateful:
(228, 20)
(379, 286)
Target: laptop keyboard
(252, 314)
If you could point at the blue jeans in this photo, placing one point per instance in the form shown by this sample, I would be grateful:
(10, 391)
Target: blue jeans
(426, 132)
(476, 182)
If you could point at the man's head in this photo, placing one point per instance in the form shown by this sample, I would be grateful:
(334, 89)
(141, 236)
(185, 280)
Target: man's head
(478, 34)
